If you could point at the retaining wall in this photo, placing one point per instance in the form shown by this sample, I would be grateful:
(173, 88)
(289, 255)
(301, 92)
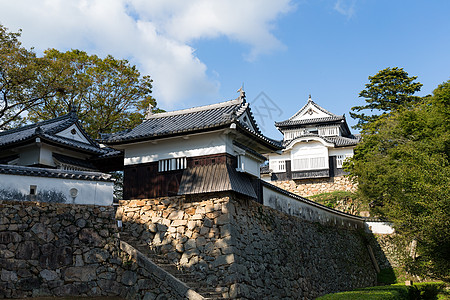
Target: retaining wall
(248, 250)
(49, 249)
(311, 187)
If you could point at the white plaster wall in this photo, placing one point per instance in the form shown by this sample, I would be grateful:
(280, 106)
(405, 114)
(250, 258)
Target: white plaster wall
(308, 211)
(195, 145)
(78, 136)
(307, 116)
(46, 156)
(249, 165)
(380, 227)
(341, 151)
(310, 150)
(89, 192)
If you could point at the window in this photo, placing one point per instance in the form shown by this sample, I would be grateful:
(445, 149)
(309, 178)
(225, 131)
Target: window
(328, 131)
(340, 159)
(309, 163)
(172, 164)
(277, 166)
(33, 189)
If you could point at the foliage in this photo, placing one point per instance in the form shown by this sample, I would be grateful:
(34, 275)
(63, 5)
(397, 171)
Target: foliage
(403, 170)
(387, 91)
(109, 94)
(425, 291)
(386, 276)
(341, 200)
(22, 81)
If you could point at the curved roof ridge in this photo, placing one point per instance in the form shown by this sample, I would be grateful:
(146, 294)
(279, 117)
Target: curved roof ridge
(38, 124)
(196, 109)
(310, 101)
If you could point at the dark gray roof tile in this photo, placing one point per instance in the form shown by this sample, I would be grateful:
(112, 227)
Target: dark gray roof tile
(191, 120)
(54, 173)
(309, 121)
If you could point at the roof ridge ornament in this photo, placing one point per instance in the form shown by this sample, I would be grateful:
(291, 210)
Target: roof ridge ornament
(309, 98)
(149, 112)
(241, 93)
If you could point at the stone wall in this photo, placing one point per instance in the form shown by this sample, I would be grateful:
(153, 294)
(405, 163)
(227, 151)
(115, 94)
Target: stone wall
(60, 250)
(248, 250)
(194, 233)
(310, 187)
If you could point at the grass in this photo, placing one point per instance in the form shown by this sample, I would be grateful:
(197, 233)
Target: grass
(426, 291)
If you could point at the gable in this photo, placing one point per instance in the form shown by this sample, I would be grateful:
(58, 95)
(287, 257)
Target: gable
(311, 111)
(246, 120)
(73, 133)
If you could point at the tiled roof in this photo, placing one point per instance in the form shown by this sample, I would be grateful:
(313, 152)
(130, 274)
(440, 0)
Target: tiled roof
(337, 141)
(215, 178)
(340, 141)
(305, 106)
(73, 161)
(54, 173)
(202, 118)
(47, 130)
(251, 151)
(309, 121)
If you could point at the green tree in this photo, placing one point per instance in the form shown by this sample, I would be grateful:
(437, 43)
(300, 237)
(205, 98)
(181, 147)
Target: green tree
(387, 91)
(22, 81)
(109, 94)
(403, 170)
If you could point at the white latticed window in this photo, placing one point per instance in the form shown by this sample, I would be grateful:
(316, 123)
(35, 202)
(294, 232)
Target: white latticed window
(172, 164)
(328, 131)
(340, 159)
(309, 163)
(278, 166)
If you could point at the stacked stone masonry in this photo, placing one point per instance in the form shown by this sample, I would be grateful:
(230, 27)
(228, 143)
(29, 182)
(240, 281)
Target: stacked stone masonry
(70, 250)
(247, 250)
(311, 187)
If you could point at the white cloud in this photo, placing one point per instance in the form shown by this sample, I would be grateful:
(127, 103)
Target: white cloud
(345, 7)
(156, 35)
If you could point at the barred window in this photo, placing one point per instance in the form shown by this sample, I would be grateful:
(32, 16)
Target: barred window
(172, 164)
(309, 163)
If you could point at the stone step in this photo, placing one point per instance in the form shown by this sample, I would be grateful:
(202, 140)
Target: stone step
(159, 259)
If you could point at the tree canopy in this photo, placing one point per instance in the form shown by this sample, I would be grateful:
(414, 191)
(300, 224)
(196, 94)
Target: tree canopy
(22, 84)
(403, 170)
(387, 91)
(108, 94)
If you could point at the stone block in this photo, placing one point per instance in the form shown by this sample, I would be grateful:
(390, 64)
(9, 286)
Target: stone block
(177, 223)
(8, 275)
(43, 232)
(48, 275)
(176, 215)
(27, 250)
(222, 219)
(223, 260)
(86, 273)
(197, 217)
(96, 256)
(7, 237)
(129, 278)
(90, 237)
(190, 244)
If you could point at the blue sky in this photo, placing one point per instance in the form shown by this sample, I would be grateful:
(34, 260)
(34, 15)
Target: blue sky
(201, 51)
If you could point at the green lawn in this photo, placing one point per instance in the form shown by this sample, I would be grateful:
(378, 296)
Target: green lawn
(426, 291)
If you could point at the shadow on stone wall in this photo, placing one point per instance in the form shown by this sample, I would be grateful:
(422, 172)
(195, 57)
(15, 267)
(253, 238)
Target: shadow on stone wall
(49, 249)
(244, 249)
